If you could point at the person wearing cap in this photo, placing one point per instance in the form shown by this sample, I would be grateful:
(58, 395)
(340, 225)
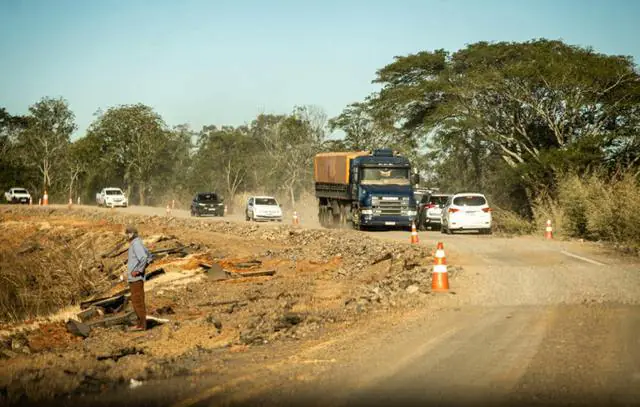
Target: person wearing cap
(139, 259)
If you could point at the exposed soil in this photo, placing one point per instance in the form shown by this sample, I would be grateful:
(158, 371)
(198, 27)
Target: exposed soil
(322, 281)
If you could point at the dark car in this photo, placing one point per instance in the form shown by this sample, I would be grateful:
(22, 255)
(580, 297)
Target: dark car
(430, 210)
(207, 203)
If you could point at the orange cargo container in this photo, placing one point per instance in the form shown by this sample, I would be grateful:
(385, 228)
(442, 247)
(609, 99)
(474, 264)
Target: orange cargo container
(333, 168)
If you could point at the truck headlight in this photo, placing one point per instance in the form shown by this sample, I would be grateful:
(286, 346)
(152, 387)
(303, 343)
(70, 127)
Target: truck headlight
(366, 211)
(412, 213)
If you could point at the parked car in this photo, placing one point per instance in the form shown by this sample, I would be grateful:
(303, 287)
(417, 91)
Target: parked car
(207, 203)
(430, 210)
(264, 208)
(466, 211)
(111, 197)
(17, 195)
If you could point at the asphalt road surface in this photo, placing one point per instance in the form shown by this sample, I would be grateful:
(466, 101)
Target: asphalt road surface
(528, 322)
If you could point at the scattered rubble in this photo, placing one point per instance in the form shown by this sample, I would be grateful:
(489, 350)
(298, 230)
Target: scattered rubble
(214, 286)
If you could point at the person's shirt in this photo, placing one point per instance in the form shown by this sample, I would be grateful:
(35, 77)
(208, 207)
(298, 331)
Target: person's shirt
(137, 261)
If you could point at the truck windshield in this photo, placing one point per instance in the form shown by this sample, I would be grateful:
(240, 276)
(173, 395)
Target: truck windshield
(20, 191)
(385, 176)
(113, 192)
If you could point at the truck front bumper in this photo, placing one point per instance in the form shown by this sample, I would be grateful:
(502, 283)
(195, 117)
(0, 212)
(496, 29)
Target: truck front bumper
(371, 220)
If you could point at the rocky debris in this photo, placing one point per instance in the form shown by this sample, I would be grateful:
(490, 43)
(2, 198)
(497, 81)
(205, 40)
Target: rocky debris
(305, 281)
(78, 328)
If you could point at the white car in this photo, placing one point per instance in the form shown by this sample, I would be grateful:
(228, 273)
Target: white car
(264, 208)
(17, 195)
(466, 211)
(111, 197)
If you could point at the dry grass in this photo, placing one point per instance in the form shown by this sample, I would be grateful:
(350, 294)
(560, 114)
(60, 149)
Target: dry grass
(511, 223)
(595, 208)
(39, 283)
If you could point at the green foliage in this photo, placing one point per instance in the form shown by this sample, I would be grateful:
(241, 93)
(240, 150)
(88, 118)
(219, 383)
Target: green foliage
(507, 116)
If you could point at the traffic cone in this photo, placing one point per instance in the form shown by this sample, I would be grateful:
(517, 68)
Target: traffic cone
(225, 210)
(414, 233)
(173, 204)
(30, 201)
(548, 231)
(440, 275)
(168, 210)
(45, 199)
(295, 218)
(70, 203)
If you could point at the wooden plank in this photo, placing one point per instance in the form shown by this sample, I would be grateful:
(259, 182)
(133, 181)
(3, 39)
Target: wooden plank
(260, 273)
(125, 319)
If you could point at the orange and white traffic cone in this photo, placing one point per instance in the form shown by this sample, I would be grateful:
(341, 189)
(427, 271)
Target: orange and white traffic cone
(173, 204)
(168, 210)
(440, 275)
(414, 233)
(295, 220)
(225, 210)
(548, 231)
(30, 201)
(70, 203)
(45, 199)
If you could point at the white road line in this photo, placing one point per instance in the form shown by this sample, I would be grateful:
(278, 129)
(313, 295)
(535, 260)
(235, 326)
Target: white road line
(582, 258)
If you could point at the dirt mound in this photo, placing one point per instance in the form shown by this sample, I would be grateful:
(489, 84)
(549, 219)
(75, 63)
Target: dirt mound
(224, 287)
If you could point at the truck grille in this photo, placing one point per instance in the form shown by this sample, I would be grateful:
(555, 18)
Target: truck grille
(388, 206)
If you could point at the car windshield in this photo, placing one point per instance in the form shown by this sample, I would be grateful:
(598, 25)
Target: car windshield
(113, 192)
(438, 200)
(385, 176)
(266, 201)
(20, 191)
(208, 197)
(472, 200)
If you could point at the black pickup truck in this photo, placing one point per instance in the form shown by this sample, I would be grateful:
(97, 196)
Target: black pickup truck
(207, 203)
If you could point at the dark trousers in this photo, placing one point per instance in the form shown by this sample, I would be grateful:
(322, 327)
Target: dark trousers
(137, 301)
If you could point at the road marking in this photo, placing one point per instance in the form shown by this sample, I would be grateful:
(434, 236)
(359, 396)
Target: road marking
(597, 263)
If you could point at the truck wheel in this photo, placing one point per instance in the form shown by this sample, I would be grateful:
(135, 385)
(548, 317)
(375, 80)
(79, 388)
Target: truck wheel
(246, 217)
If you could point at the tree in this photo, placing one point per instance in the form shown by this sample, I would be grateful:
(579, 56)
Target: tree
(44, 142)
(541, 107)
(12, 169)
(223, 159)
(132, 138)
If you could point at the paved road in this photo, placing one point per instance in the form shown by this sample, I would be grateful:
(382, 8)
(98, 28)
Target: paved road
(532, 322)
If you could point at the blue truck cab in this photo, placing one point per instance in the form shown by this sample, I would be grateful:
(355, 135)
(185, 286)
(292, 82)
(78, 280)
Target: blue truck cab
(376, 189)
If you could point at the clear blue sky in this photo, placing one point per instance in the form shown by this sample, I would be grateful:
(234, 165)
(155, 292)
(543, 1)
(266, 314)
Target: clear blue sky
(223, 62)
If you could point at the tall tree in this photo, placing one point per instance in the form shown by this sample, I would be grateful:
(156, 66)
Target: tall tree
(133, 138)
(542, 107)
(43, 144)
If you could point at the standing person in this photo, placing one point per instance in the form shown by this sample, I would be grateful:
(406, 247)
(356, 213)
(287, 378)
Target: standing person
(139, 259)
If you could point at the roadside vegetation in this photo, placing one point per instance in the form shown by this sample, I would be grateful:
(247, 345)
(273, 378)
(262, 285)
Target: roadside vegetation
(545, 129)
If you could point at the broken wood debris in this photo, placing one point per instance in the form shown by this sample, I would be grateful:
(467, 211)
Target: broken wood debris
(219, 303)
(125, 319)
(99, 301)
(247, 264)
(261, 273)
(116, 251)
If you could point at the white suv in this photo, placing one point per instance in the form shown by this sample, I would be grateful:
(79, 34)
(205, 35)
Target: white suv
(466, 211)
(263, 208)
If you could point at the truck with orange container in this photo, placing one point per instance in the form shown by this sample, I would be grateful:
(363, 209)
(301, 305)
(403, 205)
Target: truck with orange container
(364, 189)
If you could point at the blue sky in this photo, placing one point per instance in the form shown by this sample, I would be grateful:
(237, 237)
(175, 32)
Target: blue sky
(223, 62)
